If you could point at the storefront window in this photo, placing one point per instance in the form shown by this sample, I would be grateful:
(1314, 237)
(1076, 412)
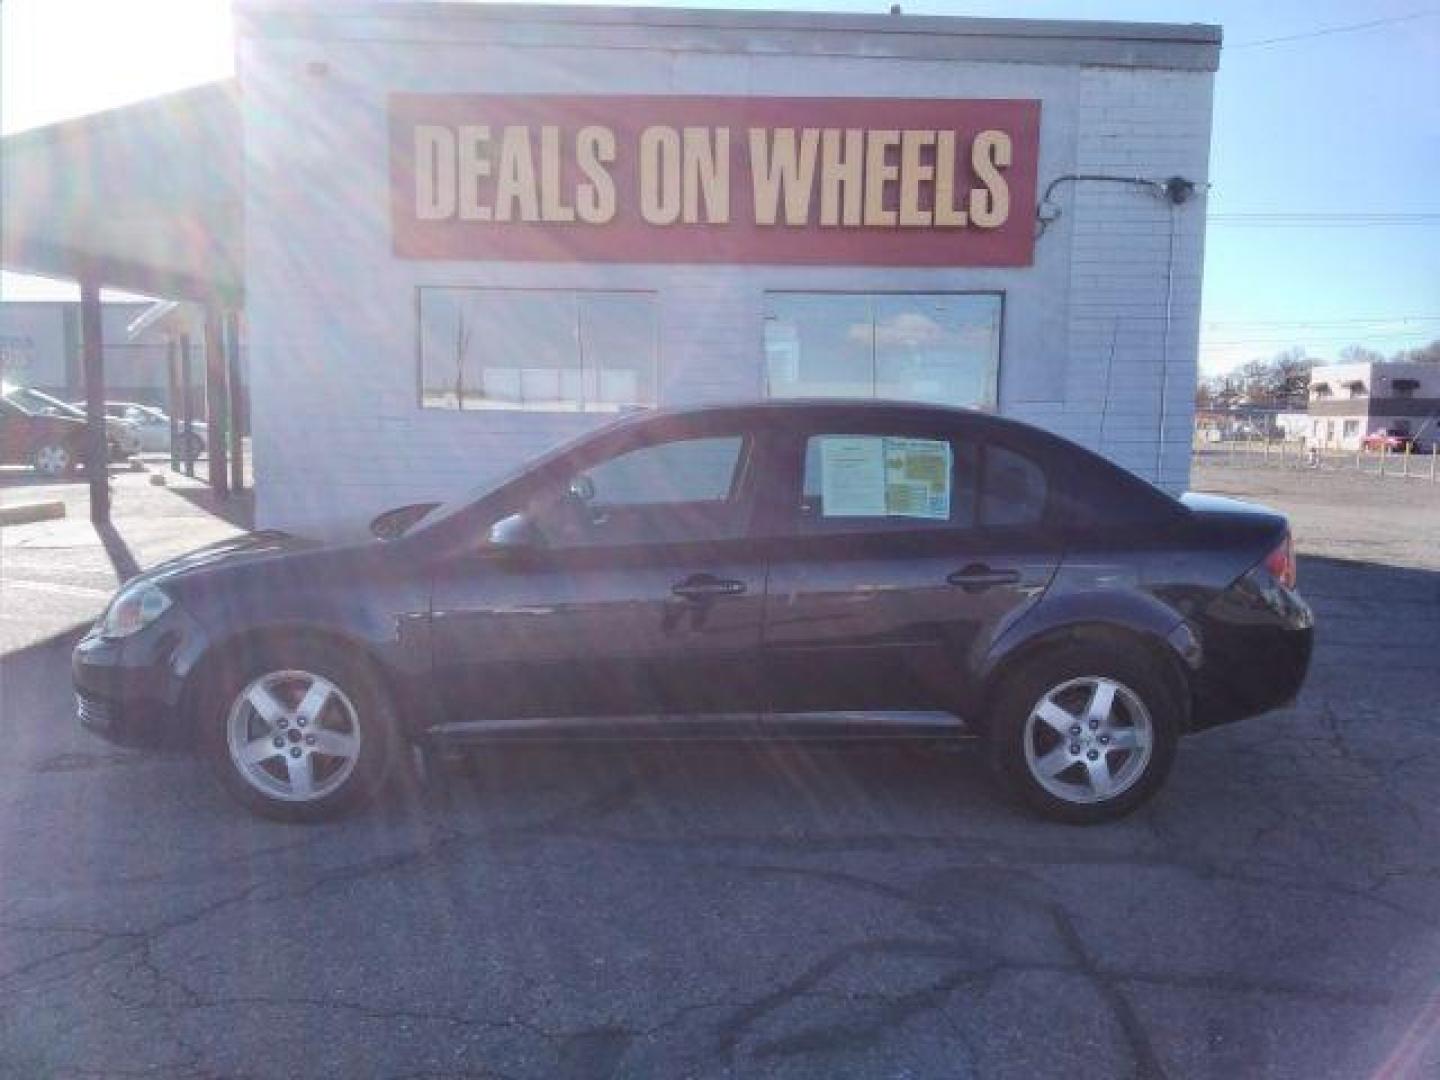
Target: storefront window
(537, 350)
(942, 348)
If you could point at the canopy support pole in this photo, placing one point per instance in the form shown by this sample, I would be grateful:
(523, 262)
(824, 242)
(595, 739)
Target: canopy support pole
(97, 449)
(215, 402)
(237, 403)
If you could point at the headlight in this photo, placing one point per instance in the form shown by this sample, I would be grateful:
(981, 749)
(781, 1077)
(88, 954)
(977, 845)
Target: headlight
(135, 608)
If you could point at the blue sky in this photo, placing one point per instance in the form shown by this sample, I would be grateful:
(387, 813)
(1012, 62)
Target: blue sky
(1344, 123)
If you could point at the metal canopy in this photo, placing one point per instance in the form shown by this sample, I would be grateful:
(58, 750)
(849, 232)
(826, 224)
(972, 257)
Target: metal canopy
(147, 197)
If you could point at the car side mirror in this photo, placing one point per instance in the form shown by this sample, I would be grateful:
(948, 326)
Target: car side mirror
(515, 534)
(582, 488)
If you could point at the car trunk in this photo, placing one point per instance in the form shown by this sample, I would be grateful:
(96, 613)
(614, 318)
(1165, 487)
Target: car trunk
(1255, 631)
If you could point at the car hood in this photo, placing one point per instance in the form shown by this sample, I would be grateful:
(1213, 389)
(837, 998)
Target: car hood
(246, 550)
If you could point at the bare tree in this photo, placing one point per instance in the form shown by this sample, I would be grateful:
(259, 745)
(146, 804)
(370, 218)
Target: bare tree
(1361, 354)
(1290, 381)
(1426, 354)
(462, 346)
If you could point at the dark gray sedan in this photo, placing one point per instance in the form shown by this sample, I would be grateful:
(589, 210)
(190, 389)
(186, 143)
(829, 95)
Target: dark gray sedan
(786, 570)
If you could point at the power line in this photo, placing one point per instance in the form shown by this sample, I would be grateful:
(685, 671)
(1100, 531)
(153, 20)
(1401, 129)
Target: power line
(1321, 221)
(1323, 215)
(1323, 322)
(1310, 339)
(1325, 31)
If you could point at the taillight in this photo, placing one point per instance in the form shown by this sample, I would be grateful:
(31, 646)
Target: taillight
(1281, 562)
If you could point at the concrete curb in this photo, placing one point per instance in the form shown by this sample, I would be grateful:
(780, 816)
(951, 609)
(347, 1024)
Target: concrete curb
(26, 513)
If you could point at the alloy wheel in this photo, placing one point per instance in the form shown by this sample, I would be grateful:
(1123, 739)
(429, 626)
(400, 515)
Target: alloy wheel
(293, 736)
(52, 459)
(1088, 740)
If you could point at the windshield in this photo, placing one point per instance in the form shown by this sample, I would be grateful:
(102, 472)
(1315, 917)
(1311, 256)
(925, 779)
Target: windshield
(34, 403)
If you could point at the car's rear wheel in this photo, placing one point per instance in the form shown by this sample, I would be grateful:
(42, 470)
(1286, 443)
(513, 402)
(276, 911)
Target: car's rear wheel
(303, 734)
(52, 459)
(1084, 733)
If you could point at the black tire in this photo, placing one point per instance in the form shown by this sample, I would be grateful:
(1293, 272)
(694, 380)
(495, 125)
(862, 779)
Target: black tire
(360, 692)
(191, 447)
(1022, 693)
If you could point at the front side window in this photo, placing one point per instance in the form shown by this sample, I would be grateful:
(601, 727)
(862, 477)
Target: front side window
(537, 350)
(940, 348)
(686, 490)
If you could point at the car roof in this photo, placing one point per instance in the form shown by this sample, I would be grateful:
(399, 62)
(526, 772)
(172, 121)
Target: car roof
(842, 410)
(828, 408)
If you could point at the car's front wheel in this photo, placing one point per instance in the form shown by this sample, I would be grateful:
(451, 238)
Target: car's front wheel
(304, 734)
(1084, 733)
(53, 459)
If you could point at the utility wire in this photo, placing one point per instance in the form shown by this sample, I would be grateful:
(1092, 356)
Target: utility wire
(1322, 322)
(1322, 221)
(1325, 31)
(1311, 339)
(1323, 215)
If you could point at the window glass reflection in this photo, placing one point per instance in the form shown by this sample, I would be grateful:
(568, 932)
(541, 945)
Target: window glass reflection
(541, 350)
(941, 348)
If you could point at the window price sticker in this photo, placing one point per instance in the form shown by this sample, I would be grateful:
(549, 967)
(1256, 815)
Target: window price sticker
(871, 476)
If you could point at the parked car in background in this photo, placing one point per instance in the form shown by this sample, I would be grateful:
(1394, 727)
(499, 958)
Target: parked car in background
(123, 436)
(50, 443)
(1395, 440)
(796, 570)
(152, 426)
(49, 435)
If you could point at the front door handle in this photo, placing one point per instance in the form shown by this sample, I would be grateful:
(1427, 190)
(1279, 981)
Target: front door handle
(707, 587)
(977, 577)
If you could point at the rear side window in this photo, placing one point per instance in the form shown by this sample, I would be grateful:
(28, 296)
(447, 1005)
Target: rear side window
(1014, 490)
(879, 482)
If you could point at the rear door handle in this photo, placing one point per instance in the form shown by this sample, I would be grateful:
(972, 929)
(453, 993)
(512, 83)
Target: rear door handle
(977, 577)
(707, 587)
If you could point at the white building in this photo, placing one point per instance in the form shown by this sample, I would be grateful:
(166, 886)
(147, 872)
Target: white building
(1349, 401)
(470, 231)
(40, 348)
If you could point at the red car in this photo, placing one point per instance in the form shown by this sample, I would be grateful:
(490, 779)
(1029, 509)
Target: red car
(1396, 440)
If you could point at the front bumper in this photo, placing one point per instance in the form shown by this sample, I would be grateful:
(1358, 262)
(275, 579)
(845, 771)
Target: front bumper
(129, 691)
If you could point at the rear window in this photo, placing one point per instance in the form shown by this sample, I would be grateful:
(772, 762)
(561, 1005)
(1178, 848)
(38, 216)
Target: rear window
(1096, 493)
(1014, 490)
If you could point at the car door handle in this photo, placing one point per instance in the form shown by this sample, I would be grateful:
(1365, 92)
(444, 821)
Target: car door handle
(977, 577)
(707, 587)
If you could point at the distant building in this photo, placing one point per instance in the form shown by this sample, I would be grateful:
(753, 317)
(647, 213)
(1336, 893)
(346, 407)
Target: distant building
(40, 348)
(1349, 401)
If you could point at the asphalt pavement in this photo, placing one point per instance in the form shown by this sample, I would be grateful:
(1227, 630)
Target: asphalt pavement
(656, 910)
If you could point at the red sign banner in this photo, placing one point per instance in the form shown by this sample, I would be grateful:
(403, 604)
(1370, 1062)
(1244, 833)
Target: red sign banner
(845, 182)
